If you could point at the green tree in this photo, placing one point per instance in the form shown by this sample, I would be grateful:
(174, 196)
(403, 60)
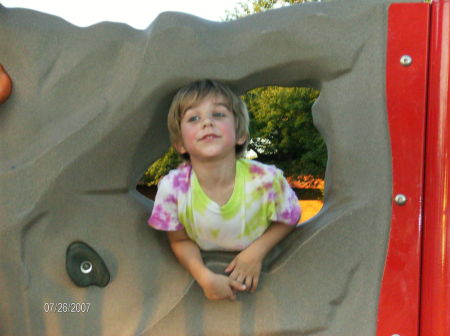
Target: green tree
(249, 7)
(283, 132)
(161, 167)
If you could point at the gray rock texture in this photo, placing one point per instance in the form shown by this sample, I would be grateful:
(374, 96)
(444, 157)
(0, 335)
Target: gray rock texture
(87, 117)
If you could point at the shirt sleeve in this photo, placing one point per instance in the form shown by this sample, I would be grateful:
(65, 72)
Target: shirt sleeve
(287, 207)
(165, 209)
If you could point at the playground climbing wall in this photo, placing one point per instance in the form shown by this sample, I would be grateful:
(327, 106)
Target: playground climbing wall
(86, 118)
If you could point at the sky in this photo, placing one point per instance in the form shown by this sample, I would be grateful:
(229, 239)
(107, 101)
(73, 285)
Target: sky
(137, 13)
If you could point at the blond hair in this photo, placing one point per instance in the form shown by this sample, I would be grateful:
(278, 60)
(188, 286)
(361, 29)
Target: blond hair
(192, 94)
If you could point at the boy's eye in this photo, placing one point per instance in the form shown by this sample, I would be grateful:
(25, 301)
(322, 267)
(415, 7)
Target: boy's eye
(193, 119)
(219, 114)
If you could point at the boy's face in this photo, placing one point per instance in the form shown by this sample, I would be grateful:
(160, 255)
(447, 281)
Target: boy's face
(208, 130)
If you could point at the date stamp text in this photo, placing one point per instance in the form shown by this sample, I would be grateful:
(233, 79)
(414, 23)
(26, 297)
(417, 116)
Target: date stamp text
(67, 307)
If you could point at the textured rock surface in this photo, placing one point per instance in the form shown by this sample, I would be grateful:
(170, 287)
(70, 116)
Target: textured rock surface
(87, 117)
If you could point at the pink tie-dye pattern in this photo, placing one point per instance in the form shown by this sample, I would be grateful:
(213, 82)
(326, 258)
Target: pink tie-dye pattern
(160, 219)
(268, 185)
(171, 199)
(272, 195)
(291, 215)
(257, 170)
(181, 179)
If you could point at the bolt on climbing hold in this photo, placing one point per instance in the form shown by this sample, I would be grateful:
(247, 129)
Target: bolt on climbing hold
(400, 199)
(405, 60)
(86, 267)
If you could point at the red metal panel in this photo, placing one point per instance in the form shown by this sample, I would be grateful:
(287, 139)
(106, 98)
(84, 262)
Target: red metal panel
(398, 311)
(435, 302)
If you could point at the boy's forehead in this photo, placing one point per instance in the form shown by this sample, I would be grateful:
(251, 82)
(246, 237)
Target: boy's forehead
(216, 98)
(219, 99)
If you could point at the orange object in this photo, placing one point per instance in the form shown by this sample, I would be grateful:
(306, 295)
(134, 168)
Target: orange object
(5, 85)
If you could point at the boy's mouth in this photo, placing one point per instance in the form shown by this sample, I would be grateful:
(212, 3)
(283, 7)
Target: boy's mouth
(210, 136)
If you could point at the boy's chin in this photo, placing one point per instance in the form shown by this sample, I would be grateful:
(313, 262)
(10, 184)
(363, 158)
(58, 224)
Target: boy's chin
(214, 156)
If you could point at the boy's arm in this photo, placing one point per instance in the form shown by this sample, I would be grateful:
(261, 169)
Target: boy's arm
(215, 286)
(246, 266)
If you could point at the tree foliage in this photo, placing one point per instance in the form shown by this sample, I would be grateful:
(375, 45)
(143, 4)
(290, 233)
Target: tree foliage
(161, 167)
(249, 7)
(281, 126)
(283, 132)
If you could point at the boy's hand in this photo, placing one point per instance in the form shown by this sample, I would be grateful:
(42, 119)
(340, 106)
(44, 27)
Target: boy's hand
(246, 268)
(219, 287)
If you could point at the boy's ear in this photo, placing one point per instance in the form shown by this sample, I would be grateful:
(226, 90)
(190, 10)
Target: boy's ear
(241, 140)
(180, 148)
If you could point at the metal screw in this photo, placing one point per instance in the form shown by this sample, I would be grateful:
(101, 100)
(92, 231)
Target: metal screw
(400, 199)
(406, 60)
(86, 267)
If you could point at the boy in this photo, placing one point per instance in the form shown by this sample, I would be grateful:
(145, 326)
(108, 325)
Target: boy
(216, 200)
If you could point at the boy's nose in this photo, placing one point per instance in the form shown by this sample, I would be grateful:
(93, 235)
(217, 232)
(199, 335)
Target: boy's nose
(207, 122)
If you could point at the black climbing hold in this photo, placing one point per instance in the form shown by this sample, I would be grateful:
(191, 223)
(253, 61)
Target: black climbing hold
(85, 267)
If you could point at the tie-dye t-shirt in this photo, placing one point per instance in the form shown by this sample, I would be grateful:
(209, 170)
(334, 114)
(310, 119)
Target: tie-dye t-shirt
(261, 195)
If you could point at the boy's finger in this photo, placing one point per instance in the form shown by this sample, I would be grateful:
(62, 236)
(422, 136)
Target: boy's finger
(231, 266)
(232, 296)
(240, 278)
(248, 282)
(238, 285)
(234, 275)
(255, 284)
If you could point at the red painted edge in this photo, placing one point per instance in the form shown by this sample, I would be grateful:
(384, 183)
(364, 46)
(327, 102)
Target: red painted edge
(408, 33)
(435, 294)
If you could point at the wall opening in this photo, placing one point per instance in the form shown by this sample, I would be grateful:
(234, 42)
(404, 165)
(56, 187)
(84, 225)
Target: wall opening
(283, 134)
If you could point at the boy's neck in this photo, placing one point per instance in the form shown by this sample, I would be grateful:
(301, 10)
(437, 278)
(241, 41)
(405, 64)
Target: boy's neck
(216, 173)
